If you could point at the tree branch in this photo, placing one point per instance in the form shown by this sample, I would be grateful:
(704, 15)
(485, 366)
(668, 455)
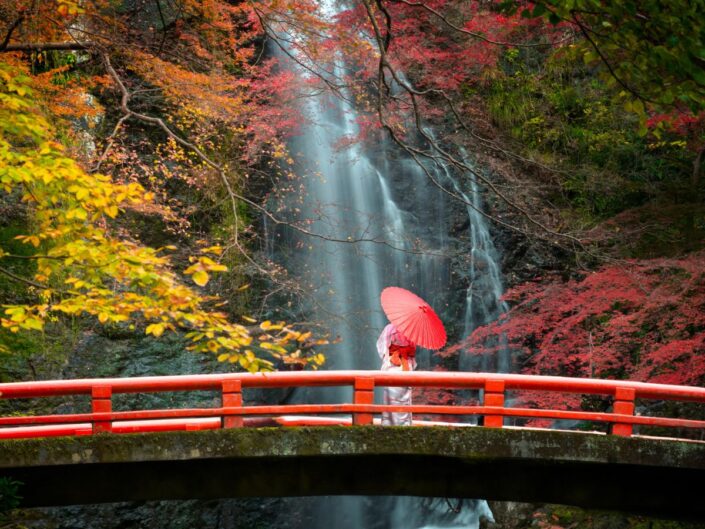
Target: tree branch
(46, 46)
(384, 65)
(473, 34)
(607, 64)
(233, 196)
(10, 31)
(697, 168)
(110, 140)
(23, 280)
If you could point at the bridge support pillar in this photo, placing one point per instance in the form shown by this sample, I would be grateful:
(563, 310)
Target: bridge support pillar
(364, 394)
(102, 403)
(623, 405)
(494, 396)
(232, 397)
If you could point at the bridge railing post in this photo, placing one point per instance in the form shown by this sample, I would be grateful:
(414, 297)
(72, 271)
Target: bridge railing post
(101, 402)
(364, 393)
(232, 397)
(623, 405)
(494, 396)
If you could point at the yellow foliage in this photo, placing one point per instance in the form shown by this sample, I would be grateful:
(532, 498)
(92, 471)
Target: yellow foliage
(112, 279)
(194, 95)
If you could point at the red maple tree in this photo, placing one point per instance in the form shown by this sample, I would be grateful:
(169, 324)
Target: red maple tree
(640, 320)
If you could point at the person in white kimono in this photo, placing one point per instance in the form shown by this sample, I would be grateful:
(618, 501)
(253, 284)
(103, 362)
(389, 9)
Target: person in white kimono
(398, 354)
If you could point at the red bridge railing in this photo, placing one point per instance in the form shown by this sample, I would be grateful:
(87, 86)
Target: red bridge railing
(233, 411)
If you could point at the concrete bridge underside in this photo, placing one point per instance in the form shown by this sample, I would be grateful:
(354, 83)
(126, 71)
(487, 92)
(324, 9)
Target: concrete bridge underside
(662, 478)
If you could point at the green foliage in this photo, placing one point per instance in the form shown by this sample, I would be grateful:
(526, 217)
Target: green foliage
(26, 355)
(566, 117)
(9, 497)
(650, 50)
(21, 265)
(562, 516)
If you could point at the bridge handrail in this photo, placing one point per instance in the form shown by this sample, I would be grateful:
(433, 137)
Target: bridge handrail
(447, 380)
(233, 412)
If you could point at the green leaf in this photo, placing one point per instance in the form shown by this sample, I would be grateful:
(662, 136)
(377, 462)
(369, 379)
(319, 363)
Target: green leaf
(539, 10)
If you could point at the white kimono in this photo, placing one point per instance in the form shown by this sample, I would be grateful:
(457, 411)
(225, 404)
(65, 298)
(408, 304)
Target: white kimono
(394, 395)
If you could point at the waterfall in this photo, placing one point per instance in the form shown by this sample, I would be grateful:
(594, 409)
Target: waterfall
(381, 222)
(483, 297)
(348, 195)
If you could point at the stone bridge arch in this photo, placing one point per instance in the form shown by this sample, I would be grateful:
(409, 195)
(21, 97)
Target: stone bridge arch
(657, 477)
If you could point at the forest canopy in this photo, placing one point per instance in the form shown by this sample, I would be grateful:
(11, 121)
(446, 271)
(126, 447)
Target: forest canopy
(140, 140)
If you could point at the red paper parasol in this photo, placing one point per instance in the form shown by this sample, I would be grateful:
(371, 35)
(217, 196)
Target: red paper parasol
(413, 317)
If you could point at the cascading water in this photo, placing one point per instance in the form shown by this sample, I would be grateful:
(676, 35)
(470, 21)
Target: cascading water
(381, 222)
(348, 197)
(483, 300)
(372, 235)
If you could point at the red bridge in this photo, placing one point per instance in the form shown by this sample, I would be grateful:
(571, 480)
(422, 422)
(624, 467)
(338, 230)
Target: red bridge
(233, 412)
(444, 458)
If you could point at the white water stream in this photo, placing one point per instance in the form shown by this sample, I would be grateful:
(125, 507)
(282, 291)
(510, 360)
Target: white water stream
(377, 193)
(483, 303)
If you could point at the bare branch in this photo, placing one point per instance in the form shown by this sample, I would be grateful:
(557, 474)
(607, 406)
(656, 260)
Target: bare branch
(233, 196)
(110, 141)
(384, 65)
(10, 31)
(24, 280)
(604, 60)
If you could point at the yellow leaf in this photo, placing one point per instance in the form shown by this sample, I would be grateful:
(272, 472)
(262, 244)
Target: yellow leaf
(248, 319)
(157, 329)
(200, 278)
(33, 323)
(77, 213)
(223, 357)
(273, 347)
(217, 250)
(193, 268)
(29, 239)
